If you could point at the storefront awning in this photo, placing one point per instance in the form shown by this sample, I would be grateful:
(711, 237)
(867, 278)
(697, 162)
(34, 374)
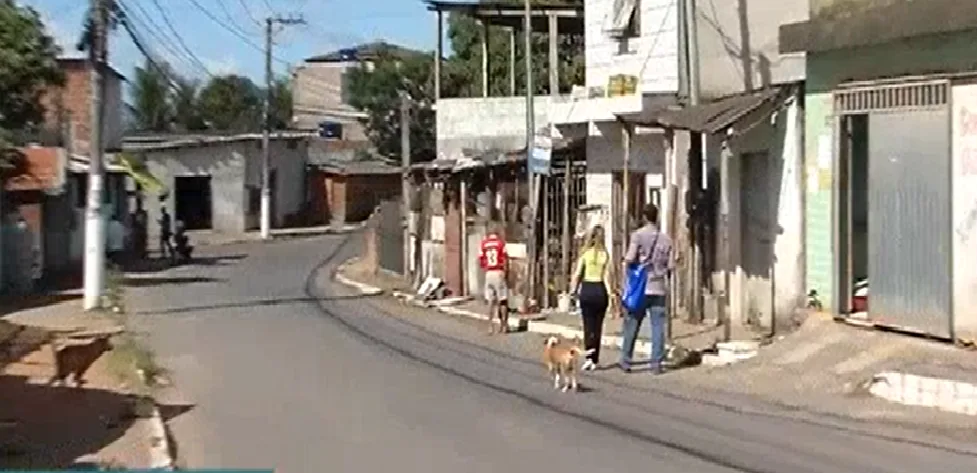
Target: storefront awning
(136, 169)
(711, 117)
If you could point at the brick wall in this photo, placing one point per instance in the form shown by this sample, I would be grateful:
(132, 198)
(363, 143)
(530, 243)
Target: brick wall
(72, 101)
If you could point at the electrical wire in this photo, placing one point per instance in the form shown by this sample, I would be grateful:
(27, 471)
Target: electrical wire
(247, 10)
(240, 36)
(179, 39)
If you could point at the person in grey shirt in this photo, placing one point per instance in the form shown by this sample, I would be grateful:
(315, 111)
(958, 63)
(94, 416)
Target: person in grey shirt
(652, 247)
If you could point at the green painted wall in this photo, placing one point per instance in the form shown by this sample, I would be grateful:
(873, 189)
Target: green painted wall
(926, 55)
(818, 121)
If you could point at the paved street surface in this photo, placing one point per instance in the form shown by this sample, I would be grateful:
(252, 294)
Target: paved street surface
(329, 382)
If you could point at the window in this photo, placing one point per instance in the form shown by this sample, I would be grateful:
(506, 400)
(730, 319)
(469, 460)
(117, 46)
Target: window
(625, 23)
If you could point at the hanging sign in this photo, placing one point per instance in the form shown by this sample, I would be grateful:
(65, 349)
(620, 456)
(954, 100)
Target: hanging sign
(542, 152)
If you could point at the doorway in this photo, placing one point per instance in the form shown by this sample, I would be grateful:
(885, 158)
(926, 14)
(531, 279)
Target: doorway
(194, 204)
(853, 215)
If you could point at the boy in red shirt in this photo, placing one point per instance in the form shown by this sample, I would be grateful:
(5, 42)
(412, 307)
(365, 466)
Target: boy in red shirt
(494, 261)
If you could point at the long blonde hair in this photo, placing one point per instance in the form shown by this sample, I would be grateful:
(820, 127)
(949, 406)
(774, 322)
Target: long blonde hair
(595, 240)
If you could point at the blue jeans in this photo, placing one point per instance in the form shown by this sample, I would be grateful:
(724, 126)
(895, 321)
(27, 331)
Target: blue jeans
(654, 307)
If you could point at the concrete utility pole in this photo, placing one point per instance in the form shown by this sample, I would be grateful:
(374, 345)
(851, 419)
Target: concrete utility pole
(94, 279)
(405, 177)
(265, 139)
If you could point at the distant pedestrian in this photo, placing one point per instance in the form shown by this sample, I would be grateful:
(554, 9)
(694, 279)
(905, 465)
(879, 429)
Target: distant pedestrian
(140, 230)
(494, 260)
(650, 247)
(591, 283)
(165, 232)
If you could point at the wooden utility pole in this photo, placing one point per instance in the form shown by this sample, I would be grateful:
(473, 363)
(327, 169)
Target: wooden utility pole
(566, 241)
(530, 145)
(270, 22)
(94, 264)
(405, 189)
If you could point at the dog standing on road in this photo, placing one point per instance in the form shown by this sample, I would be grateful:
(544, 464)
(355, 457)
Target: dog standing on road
(562, 362)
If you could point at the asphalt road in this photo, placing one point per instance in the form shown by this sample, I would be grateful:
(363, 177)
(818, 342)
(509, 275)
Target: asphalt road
(286, 370)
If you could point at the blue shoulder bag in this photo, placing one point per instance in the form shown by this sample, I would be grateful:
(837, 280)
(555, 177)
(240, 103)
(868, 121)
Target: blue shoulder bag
(636, 281)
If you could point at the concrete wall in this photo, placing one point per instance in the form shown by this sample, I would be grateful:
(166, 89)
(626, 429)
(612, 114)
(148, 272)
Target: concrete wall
(653, 57)
(288, 158)
(318, 96)
(964, 99)
(232, 167)
(485, 123)
(766, 218)
(739, 45)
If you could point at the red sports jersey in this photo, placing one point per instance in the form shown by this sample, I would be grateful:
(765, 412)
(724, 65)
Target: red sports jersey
(492, 253)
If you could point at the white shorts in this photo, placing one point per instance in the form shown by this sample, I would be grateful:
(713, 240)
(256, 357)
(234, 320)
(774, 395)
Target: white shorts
(495, 287)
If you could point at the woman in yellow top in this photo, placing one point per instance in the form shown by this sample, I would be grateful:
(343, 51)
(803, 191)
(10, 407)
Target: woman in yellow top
(590, 282)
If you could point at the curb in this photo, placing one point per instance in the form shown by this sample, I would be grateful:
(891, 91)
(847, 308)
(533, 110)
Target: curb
(913, 390)
(515, 323)
(160, 453)
(641, 347)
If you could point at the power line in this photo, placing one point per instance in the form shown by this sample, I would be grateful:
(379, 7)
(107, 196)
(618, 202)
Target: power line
(247, 10)
(240, 36)
(179, 39)
(192, 60)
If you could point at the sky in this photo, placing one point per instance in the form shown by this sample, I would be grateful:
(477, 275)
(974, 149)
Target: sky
(232, 40)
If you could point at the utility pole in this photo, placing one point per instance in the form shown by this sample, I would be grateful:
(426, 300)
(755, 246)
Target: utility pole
(94, 279)
(405, 189)
(530, 145)
(266, 138)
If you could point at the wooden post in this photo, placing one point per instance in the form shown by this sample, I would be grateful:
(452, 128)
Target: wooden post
(438, 54)
(626, 135)
(554, 36)
(565, 240)
(463, 201)
(545, 184)
(483, 33)
(512, 62)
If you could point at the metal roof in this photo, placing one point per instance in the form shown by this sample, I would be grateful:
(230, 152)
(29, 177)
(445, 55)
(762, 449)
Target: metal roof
(570, 17)
(710, 117)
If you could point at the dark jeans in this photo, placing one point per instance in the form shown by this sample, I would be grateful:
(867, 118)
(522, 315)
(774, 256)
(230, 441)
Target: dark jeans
(593, 306)
(165, 247)
(654, 308)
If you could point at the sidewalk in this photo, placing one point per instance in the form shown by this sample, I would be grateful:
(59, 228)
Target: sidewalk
(211, 238)
(44, 427)
(822, 367)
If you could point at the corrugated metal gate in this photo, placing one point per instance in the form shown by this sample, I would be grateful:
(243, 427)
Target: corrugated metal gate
(390, 236)
(909, 219)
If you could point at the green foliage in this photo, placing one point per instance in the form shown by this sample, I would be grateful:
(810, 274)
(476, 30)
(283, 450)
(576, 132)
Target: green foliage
(231, 103)
(377, 90)
(152, 101)
(281, 104)
(186, 115)
(29, 64)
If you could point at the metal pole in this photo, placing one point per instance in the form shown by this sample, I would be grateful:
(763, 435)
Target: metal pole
(405, 189)
(626, 135)
(265, 139)
(463, 201)
(94, 279)
(438, 54)
(530, 144)
(545, 190)
(695, 251)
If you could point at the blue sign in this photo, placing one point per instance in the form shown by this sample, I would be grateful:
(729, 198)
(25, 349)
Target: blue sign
(539, 161)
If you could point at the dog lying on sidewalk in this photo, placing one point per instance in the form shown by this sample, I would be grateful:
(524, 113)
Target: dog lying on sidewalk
(562, 362)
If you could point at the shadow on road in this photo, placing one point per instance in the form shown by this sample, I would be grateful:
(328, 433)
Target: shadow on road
(159, 281)
(155, 265)
(252, 303)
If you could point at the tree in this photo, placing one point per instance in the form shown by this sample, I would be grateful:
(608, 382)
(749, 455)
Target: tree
(186, 114)
(29, 56)
(152, 98)
(377, 90)
(231, 103)
(464, 68)
(281, 104)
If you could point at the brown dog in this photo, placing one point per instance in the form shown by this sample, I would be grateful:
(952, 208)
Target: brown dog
(75, 359)
(561, 361)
